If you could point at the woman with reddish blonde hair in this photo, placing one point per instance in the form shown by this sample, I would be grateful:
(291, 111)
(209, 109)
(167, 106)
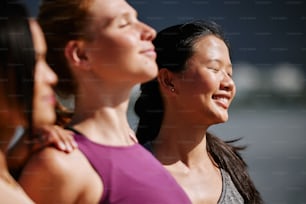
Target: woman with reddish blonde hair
(100, 51)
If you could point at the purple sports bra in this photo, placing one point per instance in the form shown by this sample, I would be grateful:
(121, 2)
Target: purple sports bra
(131, 174)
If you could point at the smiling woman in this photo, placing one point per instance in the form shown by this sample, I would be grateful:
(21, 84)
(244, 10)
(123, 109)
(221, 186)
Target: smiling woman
(193, 91)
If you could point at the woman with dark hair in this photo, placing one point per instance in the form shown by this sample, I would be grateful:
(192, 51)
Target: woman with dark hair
(192, 92)
(26, 94)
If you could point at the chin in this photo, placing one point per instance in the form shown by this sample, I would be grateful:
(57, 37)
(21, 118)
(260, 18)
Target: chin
(221, 119)
(151, 71)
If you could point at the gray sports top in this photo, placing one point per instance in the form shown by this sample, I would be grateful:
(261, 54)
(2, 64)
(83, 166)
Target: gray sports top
(230, 194)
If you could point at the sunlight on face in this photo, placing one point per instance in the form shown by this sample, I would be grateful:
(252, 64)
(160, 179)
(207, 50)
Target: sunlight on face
(122, 48)
(206, 86)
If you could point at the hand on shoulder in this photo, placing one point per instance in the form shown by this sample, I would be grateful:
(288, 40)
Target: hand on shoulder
(54, 135)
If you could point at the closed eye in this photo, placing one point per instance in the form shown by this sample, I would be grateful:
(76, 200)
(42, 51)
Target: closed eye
(124, 23)
(213, 69)
(126, 19)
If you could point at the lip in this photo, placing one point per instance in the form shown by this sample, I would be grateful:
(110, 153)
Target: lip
(50, 98)
(150, 52)
(222, 100)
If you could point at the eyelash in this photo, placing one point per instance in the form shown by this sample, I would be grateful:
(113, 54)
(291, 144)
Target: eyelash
(216, 70)
(124, 25)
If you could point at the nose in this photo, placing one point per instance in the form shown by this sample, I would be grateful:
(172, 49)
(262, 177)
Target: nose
(227, 83)
(50, 76)
(148, 33)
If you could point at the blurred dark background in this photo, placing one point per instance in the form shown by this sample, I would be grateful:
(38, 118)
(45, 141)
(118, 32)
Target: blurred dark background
(268, 42)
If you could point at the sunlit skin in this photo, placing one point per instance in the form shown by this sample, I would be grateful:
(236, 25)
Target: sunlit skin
(44, 96)
(118, 55)
(130, 55)
(206, 89)
(194, 100)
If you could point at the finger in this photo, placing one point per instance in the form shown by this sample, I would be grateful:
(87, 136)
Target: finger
(55, 139)
(67, 138)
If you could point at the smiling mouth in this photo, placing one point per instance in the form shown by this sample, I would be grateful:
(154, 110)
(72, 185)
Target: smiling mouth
(222, 101)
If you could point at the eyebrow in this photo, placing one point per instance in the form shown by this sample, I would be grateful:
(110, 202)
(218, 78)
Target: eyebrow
(127, 14)
(220, 62)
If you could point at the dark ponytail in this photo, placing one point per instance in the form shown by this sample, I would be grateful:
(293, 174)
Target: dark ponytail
(174, 46)
(227, 157)
(150, 109)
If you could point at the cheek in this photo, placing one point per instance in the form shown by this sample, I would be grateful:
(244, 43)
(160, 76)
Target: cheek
(120, 43)
(200, 83)
(113, 51)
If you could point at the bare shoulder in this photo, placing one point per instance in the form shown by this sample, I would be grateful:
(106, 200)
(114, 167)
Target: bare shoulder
(50, 161)
(52, 172)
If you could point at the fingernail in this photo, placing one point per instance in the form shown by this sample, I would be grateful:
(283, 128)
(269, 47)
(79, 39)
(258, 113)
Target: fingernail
(69, 148)
(75, 144)
(62, 146)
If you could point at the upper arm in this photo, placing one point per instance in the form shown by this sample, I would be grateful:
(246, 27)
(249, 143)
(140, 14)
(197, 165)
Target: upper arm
(49, 177)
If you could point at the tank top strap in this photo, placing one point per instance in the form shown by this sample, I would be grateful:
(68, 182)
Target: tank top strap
(74, 130)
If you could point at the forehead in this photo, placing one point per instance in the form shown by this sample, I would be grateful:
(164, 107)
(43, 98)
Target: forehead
(211, 47)
(38, 37)
(107, 10)
(208, 42)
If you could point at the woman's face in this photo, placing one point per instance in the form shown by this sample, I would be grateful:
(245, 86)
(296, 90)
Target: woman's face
(206, 88)
(122, 48)
(44, 97)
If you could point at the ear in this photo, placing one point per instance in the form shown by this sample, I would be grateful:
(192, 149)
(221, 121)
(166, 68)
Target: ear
(167, 81)
(75, 54)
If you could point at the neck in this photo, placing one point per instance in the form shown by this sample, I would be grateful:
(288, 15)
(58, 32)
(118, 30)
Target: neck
(101, 114)
(179, 141)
